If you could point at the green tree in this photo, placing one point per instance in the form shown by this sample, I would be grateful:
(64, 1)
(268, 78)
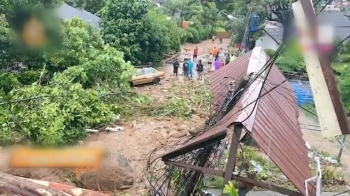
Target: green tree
(291, 59)
(205, 17)
(92, 6)
(47, 117)
(276, 10)
(124, 27)
(165, 37)
(344, 86)
(142, 34)
(80, 76)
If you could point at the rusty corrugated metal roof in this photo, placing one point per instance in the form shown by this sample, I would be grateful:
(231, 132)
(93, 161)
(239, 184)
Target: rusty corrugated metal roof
(274, 121)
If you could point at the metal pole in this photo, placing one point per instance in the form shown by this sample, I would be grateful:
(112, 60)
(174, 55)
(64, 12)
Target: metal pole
(342, 145)
(182, 13)
(231, 161)
(329, 107)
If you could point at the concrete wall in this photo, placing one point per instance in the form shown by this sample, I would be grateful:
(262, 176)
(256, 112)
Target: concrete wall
(266, 42)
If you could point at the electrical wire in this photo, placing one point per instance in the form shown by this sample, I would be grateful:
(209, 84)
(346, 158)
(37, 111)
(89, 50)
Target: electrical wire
(245, 38)
(270, 65)
(341, 193)
(217, 116)
(328, 2)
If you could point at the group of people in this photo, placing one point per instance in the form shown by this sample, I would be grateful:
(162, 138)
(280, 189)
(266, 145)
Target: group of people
(218, 63)
(187, 67)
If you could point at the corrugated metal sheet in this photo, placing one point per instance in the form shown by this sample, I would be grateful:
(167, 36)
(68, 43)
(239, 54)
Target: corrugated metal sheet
(275, 126)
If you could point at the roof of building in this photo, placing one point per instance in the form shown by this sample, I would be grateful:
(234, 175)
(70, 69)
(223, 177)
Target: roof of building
(337, 19)
(67, 12)
(270, 114)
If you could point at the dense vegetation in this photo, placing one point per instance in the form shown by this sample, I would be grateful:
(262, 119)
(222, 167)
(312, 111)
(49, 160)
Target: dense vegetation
(78, 79)
(204, 16)
(50, 94)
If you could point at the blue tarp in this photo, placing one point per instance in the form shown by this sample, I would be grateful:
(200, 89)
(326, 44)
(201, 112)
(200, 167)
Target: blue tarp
(302, 92)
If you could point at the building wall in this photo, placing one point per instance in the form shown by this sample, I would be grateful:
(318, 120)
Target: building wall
(266, 42)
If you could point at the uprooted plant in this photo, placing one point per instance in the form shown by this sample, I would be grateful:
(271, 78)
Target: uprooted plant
(178, 100)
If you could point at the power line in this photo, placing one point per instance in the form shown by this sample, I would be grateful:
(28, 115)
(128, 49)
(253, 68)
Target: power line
(341, 193)
(329, 1)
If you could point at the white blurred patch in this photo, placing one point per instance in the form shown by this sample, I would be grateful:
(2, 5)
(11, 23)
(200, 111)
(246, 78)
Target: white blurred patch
(325, 35)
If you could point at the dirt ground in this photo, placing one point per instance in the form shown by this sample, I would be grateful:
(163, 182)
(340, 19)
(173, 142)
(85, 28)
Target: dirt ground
(312, 135)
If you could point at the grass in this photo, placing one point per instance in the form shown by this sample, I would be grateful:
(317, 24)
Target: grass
(309, 110)
(220, 30)
(339, 67)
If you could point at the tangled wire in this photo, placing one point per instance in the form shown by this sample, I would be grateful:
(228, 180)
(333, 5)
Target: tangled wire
(170, 180)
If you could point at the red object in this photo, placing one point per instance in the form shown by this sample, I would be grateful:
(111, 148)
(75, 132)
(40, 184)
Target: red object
(195, 52)
(185, 24)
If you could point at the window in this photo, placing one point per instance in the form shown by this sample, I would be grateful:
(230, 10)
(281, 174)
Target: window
(150, 71)
(141, 72)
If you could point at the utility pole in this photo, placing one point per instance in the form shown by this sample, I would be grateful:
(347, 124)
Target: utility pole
(329, 107)
(182, 13)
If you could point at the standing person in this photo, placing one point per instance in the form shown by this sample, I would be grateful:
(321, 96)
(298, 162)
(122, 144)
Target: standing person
(217, 54)
(222, 63)
(217, 64)
(227, 58)
(176, 67)
(213, 38)
(232, 58)
(214, 51)
(185, 68)
(220, 40)
(190, 68)
(200, 69)
(195, 54)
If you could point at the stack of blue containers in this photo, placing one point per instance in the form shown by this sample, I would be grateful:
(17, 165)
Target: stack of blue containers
(302, 92)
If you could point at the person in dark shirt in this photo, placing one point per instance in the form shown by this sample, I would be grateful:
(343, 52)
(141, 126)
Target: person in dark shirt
(185, 68)
(227, 58)
(176, 67)
(217, 55)
(200, 69)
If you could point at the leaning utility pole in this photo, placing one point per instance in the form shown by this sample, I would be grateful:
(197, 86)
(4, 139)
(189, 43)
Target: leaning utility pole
(329, 107)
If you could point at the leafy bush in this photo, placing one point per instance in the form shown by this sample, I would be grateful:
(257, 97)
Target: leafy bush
(230, 189)
(270, 52)
(344, 86)
(8, 82)
(192, 35)
(28, 77)
(58, 111)
(344, 58)
(60, 115)
(291, 59)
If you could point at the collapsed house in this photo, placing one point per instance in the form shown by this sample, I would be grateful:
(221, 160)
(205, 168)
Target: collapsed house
(264, 110)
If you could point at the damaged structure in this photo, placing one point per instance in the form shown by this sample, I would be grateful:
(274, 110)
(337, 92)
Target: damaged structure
(263, 108)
